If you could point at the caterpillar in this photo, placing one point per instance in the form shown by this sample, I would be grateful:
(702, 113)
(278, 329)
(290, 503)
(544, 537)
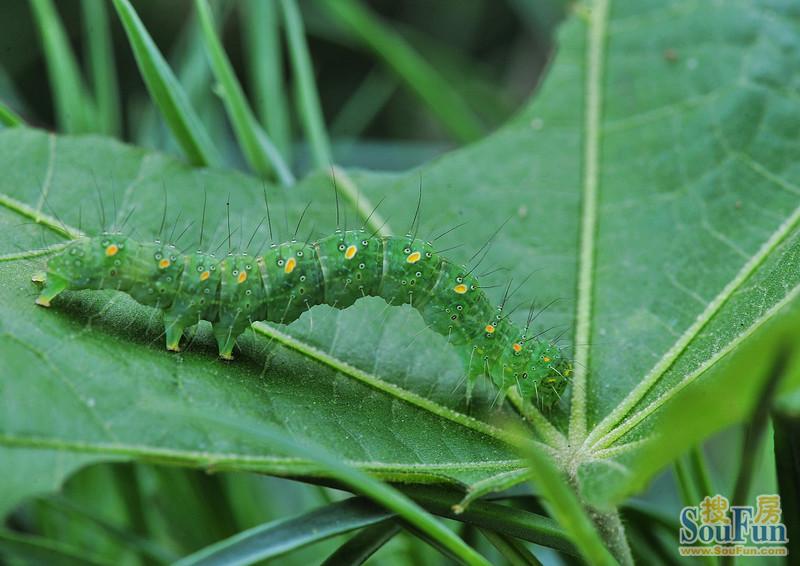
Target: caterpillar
(236, 289)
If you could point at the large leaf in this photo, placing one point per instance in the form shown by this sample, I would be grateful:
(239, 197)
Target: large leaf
(651, 185)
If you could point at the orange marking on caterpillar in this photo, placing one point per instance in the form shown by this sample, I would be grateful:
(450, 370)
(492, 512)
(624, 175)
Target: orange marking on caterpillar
(291, 263)
(546, 359)
(489, 328)
(414, 257)
(350, 252)
(205, 275)
(242, 277)
(112, 250)
(164, 263)
(460, 289)
(517, 347)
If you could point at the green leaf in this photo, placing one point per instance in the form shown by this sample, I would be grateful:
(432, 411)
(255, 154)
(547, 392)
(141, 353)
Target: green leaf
(29, 471)
(652, 182)
(284, 535)
(166, 91)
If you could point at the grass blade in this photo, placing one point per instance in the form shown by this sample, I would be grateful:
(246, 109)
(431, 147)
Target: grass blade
(331, 466)
(9, 118)
(73, 107)
(563, 505)
(265, 64)
(364, 104)
(147, 549)
(512, 550)
(697, 461)
(366, 543)
(787, 465)
(446, 104)
(97, 33)
(511, 521)
(166, 91)
(40, 550)
(754, 430)
(189, 63)
(262, 156)
(310, 109)
(284, 535)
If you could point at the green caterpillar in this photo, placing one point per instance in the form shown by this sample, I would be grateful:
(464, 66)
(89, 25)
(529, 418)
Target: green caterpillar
(233, 291)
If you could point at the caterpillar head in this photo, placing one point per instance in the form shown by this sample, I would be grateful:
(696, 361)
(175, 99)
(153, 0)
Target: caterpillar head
(539, 369)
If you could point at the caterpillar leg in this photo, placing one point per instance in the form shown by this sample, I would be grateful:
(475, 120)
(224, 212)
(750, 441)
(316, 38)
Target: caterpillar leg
(53, 285)
(173, 329)
(226, 340)
(474, 371)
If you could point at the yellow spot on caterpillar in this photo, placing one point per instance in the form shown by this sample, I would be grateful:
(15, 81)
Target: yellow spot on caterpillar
(551, 380)
(546, 359)
(460, 289)
(517, 347)
(350, 252)
(163, 264)
(242, 277)
(291, 263)
(205, 275)
(112, 250)
(414, 258)
(489, 328)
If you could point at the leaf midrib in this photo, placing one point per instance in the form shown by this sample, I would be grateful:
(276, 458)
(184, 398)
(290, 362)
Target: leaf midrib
(237, 461)
(593, 100)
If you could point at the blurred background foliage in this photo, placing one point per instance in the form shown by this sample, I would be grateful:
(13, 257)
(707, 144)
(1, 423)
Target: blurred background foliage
(490, 53)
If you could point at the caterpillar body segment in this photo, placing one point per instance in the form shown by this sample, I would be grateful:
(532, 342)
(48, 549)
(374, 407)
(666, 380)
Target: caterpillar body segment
(236, 289)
